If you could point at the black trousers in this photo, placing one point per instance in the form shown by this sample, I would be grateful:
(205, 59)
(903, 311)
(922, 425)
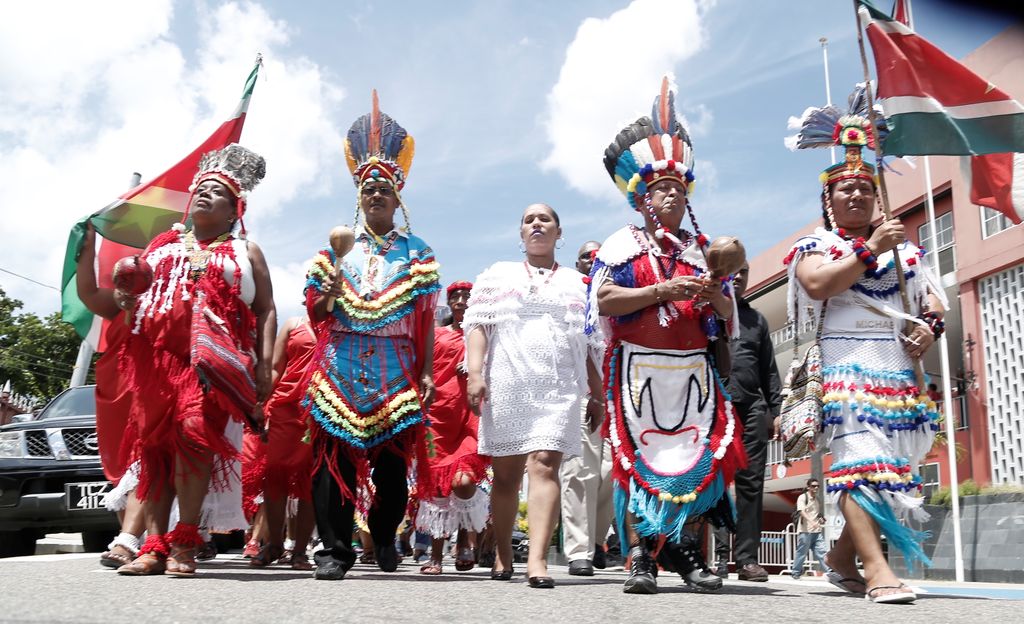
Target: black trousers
(749, 488)
(335, 516)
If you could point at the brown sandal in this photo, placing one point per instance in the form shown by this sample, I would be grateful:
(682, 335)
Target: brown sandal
(146, 564)
(182, 561)
(466, 560)
(268, 555)
(300, 561)
(432, 567)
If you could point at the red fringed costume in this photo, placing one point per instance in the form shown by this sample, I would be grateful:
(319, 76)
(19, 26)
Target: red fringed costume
(172, 411)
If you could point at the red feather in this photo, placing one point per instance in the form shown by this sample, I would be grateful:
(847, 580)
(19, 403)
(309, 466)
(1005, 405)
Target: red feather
(663, 111)
(374, 143)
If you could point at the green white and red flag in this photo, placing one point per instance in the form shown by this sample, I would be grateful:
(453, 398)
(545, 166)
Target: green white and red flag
(126, 225)
(933, 104)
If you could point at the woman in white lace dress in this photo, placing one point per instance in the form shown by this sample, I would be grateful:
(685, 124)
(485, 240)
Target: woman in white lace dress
(530, 364)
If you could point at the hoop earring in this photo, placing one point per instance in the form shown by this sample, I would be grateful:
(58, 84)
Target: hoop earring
(559, 243)
(522, 247)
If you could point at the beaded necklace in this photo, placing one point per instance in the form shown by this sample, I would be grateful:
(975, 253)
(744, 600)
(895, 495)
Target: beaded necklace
(375, 256)
(533, 286)
(199, 256)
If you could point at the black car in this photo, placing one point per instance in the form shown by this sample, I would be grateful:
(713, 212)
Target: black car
(51, 480)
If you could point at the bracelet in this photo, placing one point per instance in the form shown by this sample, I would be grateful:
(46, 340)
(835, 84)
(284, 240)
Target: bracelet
(935, 323)
(657, 294)
(864, 254)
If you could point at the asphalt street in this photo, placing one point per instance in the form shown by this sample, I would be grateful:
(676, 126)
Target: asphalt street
(74, 588)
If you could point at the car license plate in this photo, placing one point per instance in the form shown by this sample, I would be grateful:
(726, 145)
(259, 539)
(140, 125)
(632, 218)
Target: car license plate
(86, 496)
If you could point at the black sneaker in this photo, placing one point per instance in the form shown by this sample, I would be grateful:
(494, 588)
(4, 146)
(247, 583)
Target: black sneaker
(686, 560)
(642, 572)
(329, 570)
(600, 557)
(722, 569)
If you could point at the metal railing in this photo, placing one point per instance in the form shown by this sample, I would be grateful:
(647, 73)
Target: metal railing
(777, 550)
(777, 455)
(784, 334)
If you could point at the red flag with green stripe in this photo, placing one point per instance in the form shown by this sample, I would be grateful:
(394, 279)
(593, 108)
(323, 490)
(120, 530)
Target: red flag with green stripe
(932, 103)
(127, 225)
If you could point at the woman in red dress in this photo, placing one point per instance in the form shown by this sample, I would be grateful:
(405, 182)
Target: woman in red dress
(457, 504)
(211, 294)
(289, 457)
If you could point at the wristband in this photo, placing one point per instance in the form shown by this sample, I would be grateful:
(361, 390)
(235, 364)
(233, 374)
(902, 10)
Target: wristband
(863, 253)
(935, 323)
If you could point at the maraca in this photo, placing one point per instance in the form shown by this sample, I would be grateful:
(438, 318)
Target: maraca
(132, 276)
(342, 239)
(725, 256)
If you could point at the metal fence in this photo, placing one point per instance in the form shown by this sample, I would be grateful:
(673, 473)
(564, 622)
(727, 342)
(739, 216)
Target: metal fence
(778, 549)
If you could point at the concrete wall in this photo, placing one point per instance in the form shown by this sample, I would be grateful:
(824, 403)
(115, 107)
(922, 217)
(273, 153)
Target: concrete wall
(992, 529)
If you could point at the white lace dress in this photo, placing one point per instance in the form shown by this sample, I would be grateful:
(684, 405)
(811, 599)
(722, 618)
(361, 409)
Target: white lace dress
(536, 361)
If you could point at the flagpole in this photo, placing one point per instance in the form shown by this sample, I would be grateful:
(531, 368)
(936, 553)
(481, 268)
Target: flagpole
(828, 89)
(947, 398)
(886, 212)
(947, 389)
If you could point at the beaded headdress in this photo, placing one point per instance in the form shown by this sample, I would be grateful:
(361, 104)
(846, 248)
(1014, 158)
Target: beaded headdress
(236, 167)
(377, 149)
(651, 149)
(829, 126)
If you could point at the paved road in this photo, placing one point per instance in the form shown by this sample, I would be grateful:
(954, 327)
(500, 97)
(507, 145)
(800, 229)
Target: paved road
(74, 588)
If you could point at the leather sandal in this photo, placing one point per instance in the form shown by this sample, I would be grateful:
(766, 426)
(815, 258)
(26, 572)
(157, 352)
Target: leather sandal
(268, 555)
(300, 561)
(432, 567)
(146, 564)
(116, 557)
(182, 561)
(466, 560)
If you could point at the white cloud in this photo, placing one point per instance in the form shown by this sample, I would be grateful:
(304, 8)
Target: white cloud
(109, 91)
(612, 69)
(289, 281)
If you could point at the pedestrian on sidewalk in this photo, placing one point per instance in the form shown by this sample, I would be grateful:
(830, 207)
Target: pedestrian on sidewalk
(810, 530)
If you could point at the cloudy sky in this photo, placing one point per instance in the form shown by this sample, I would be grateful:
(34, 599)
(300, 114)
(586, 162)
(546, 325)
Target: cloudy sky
(510, 101)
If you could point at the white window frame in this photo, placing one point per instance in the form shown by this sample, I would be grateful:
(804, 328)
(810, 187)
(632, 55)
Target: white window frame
(988, 215)
(941, 229)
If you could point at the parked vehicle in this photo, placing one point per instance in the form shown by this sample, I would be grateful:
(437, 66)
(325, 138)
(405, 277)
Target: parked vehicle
(51, 480)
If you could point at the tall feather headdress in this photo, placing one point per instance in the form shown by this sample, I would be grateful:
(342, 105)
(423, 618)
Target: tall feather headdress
(650, 149)
(829, 126)
(376, 147)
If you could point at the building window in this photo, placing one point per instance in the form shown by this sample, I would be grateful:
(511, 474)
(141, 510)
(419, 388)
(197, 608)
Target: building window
(929, 479)
(993, 222)
(943, 247)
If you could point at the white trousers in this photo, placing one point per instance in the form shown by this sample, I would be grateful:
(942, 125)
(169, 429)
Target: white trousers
(587, 496)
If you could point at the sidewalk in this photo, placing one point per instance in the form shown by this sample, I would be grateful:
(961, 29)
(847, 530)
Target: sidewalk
(995, 591)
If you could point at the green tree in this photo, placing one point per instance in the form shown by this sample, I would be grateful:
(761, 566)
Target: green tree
(37, 355)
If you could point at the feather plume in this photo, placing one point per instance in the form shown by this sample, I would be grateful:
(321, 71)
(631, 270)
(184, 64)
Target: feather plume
(377, 134)
(817, 125)
(374, 142)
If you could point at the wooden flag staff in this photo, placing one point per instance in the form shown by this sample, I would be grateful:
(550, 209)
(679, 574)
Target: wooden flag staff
(886, 212)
